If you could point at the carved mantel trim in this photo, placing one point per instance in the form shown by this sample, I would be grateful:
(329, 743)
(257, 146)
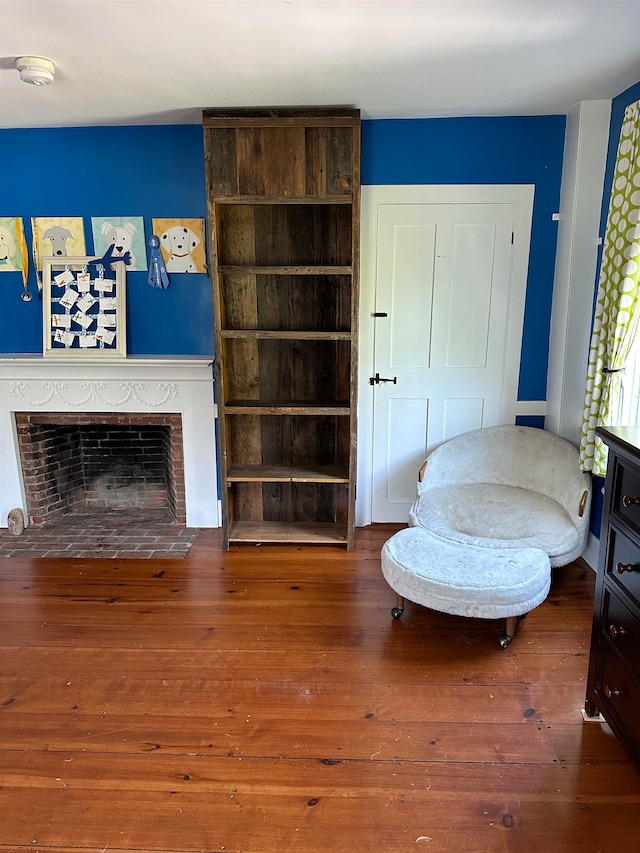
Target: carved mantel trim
(60, 392)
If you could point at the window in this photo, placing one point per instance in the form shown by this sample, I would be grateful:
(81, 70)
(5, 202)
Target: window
(628, 413)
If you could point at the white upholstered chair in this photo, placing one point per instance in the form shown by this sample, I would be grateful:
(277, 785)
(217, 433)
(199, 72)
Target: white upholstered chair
(496, 509)
(506, 487)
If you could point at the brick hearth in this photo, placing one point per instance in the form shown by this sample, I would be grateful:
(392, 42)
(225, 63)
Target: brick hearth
(112, 534)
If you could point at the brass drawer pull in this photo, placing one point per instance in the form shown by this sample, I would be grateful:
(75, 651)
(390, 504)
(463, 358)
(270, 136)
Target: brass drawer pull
(616, 632)
(610, 692)
(625, 567)
(628, 501)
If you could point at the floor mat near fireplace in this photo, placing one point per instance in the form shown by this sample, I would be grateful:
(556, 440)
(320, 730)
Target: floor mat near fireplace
(143, 534)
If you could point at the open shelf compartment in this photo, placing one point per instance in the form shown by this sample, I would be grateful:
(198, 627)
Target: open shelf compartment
(286, 303)
(271, 510)
(280, 235)
(303, 533)
(290, 371)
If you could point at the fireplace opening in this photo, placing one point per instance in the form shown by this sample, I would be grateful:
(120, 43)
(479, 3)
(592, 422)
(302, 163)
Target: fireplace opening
(88, 463)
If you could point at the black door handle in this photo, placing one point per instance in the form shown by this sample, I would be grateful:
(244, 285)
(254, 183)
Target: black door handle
(377, 379)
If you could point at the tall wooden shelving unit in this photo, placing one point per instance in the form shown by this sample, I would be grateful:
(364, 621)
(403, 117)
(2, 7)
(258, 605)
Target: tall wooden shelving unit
(283, 191)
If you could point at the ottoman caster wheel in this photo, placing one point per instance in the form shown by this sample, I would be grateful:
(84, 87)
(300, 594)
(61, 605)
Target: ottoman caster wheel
(510, 629)
(396, 612)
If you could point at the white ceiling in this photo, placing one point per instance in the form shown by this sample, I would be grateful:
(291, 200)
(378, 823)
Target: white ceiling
(162, 61)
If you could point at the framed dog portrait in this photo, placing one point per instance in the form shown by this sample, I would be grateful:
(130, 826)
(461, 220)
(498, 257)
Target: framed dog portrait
(59, 236)
(182, 243)
(13, 246)
(125, 234)
(84, 312)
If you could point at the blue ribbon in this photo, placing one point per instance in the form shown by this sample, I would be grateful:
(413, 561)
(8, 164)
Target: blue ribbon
(157, 271)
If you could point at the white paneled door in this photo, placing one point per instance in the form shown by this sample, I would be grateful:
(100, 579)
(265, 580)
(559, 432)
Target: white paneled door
(447, 335)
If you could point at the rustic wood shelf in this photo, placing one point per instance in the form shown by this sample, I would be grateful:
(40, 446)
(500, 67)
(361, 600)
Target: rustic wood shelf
(284, 407)
(283, 190)
(311, 533)
(287, 474)
(229, 269)
(293, 117)
(268, 334)
(283, 199)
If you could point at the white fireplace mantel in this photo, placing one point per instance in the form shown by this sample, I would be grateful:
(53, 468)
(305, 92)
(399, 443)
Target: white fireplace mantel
(127, 385)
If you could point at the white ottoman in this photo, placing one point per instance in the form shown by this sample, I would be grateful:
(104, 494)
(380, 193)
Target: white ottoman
(465, 580)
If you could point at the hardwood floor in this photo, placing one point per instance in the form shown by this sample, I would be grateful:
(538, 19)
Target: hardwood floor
(263, 700)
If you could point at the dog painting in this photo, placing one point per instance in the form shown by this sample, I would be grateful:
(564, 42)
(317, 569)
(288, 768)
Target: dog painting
(12, 257)
(57, 236)
(182, 244)
(124, 234)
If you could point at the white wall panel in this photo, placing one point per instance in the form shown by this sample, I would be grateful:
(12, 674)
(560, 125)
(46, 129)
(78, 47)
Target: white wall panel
(406, 447)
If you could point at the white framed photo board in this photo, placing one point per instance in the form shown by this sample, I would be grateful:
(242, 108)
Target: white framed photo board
(84, 311)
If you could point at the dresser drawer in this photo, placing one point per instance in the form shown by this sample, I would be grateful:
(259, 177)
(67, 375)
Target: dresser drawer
(621, 628)
(623, 564)
(626, 494)
(620, 698)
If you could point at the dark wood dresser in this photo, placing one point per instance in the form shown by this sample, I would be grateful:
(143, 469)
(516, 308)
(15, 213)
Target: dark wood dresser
(613, 686)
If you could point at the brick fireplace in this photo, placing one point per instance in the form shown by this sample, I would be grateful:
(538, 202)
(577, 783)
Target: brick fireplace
(91, 462)
(80, 410)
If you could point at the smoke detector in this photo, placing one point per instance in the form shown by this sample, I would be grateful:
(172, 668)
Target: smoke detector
(36, 70)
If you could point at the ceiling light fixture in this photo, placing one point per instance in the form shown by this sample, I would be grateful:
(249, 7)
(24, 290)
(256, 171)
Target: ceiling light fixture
(36, 70)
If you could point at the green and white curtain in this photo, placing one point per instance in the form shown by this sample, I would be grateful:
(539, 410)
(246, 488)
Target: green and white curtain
(617, 310)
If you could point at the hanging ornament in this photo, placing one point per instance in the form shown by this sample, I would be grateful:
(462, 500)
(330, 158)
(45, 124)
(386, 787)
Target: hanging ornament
(35, 254)
(24, 261)
(157, 271)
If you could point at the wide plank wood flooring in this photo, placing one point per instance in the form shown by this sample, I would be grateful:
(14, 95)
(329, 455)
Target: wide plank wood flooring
(263, 700)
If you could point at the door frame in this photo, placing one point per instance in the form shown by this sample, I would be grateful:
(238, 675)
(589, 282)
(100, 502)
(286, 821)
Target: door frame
(521, 196)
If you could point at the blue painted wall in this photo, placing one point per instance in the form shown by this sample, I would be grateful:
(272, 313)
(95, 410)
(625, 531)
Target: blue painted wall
(159, 172)
(110, 171)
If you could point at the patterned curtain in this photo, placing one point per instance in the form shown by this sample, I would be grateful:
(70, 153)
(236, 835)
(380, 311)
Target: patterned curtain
(616, 317)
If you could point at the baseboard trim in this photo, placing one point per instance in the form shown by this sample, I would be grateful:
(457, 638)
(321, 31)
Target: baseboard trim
(591, 552)
(535, 408)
